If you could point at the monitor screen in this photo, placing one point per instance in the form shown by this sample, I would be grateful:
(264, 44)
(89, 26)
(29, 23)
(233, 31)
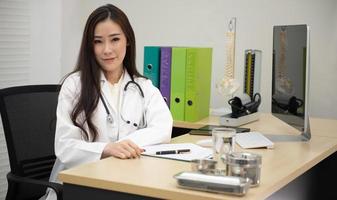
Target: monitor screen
(290, 75)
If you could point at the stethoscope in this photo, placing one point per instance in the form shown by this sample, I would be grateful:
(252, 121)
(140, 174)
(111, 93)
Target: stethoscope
(109, 115)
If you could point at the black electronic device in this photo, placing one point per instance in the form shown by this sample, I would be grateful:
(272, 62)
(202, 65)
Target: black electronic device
(244, 110)
(207, 130)
(240, 109)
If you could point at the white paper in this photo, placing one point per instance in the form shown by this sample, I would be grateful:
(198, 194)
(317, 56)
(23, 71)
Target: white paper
(196, 152)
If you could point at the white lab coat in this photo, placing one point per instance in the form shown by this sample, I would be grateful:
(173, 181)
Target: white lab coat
(72, 149)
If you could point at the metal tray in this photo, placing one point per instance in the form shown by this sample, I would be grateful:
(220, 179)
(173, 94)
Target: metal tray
(213, 183)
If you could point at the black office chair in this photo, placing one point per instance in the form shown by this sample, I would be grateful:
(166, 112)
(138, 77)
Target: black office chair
(29, 117)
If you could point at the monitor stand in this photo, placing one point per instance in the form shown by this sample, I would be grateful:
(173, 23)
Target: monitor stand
(304, 137)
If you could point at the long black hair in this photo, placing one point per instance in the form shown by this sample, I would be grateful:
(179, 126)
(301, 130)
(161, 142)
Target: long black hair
(90, 69)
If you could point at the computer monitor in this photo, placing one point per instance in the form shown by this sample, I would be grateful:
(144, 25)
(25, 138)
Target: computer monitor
(290, 80)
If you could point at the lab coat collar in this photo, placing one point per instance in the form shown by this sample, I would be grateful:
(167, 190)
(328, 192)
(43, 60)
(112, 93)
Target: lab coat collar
(125, 78)
(106, 90)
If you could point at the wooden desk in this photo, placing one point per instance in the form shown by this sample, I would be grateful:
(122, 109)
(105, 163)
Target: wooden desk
(153, 177)
(268, 124)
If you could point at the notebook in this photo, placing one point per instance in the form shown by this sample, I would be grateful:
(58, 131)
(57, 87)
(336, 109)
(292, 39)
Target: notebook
(253, 140)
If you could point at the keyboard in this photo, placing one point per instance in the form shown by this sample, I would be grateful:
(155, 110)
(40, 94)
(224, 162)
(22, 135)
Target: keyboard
(253, 140)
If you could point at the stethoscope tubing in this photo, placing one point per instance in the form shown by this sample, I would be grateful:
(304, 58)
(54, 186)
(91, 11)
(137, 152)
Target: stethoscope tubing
(109, 116)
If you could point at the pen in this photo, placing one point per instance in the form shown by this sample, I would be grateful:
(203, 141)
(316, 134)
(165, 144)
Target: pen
(179, 151)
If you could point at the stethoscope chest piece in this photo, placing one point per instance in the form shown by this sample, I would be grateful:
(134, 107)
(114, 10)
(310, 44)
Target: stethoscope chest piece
(110, 118)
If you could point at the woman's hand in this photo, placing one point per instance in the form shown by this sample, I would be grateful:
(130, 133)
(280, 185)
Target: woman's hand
(123, 149)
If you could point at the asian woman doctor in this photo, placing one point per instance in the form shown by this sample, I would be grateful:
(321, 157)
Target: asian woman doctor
(105, 107)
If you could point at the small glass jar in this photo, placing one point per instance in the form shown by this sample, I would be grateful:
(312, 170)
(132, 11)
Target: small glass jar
(204, 166)
(245, 165)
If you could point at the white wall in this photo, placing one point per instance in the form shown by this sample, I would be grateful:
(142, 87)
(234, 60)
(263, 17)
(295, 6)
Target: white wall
(72, 29)
(45, 41)
(204, 23)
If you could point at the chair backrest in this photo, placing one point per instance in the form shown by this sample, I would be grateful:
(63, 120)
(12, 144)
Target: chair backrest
(29, 117)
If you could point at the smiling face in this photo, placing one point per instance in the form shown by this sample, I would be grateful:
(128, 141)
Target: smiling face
(110, 49)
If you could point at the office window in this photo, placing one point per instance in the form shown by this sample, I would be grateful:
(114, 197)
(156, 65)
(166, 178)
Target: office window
(15, 61)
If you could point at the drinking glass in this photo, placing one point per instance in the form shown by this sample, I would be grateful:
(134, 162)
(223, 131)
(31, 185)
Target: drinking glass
(223, 140)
